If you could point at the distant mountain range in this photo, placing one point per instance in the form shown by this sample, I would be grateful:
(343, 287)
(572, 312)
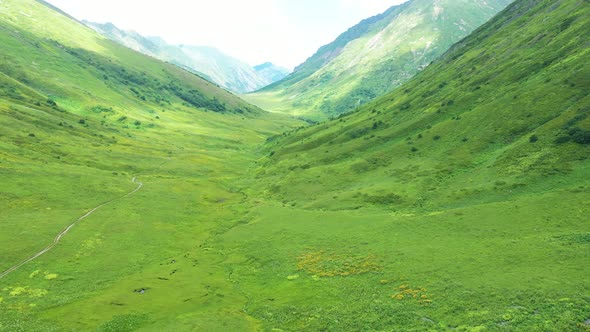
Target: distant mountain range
(375, 56)
(208, 62)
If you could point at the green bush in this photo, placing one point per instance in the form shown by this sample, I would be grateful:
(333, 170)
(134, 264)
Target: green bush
(577, 135)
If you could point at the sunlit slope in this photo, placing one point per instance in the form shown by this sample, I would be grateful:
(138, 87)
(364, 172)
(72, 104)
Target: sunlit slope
(456, 203)
(80, 118)
(504, 112)
(375, 56)
(60, 57)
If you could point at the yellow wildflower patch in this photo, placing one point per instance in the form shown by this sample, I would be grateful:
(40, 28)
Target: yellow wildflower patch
(26, 291)
(51, 276)
(328, 264)
(407, 292)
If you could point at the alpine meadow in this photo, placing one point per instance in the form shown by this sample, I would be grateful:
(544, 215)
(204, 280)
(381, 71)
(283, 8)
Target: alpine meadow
(429, 170)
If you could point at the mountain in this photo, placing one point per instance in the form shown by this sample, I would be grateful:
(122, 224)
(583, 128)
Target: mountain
(272, 73)
(374, 56)
(465, 190)
(209, 62)
(84, 122)
(137, 196)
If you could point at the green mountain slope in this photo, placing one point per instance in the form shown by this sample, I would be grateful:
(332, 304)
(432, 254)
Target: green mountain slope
(501, 104)
(373, 57)
(456, 202)
(82, 116)
(216, 66)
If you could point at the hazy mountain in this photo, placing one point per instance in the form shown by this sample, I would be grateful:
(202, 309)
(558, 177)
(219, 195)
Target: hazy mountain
(271, 72)
(375, 56)
(209, 62)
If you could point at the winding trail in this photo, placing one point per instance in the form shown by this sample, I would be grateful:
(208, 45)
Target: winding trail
(68, 228)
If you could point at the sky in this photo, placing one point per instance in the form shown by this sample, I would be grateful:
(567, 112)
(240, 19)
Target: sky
(285, 32)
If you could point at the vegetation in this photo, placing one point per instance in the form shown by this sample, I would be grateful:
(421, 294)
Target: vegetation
(82, 116)
(373, 57)
(448, 192)
(429, 208)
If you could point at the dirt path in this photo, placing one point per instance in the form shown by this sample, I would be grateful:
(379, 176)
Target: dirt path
(67, 229)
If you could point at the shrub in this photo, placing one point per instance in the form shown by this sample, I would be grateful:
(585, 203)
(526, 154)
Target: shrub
(533, 139)
(577, 135)
(51, 102)
(563, 139)
(580, 136)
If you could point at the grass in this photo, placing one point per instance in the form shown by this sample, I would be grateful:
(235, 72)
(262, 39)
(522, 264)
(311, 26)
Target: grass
(373, 57)
(81, 117)
(440, 180)
(485, 266)
(395, 217)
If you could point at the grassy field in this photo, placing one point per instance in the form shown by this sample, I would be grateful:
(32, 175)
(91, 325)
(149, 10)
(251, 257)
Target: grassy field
(468, 186)
(152, 240)
(80, 118)
(395, 217)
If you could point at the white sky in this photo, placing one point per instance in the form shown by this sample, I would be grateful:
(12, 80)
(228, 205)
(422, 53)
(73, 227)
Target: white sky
(285, 32)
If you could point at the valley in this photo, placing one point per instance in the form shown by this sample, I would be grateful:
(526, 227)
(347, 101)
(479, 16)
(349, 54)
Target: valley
(457, 201)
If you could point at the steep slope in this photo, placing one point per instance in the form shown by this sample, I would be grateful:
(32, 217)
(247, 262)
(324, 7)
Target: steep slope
(500, 104)
(209, 62)
(375, 56)
(457, 202)
(81, 117)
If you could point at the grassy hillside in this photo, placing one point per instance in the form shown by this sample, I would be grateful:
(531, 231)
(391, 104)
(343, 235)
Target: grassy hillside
(456, 202)
(504, 108)
(375, 56)
(81, 117)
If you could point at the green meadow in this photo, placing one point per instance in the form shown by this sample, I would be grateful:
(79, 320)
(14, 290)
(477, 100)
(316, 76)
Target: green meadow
(457, 202)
